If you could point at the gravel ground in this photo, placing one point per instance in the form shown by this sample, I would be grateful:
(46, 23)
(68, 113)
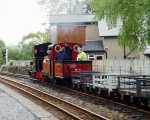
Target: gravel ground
(108, 110)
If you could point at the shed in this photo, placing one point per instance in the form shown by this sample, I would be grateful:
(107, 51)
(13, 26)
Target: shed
(73, 28)
(95, 49)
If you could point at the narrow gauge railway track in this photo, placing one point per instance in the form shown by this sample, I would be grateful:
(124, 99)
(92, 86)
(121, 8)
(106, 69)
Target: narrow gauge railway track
(128, 110)
(74, 111)
(80, 93)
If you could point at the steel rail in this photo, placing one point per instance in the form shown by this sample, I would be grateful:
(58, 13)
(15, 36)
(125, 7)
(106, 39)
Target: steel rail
(94, 97)
(70, 109)
(104, 99)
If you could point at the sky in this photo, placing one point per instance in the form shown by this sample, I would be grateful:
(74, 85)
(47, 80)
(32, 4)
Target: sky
(18, 18)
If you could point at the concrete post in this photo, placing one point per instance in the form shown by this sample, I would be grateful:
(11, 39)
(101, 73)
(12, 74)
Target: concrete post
(6, 56)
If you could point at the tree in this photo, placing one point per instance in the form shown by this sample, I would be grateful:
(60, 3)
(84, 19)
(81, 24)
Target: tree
(134, 16)
(65, 6)
(36, 38)
(2, 45)
(13, 53)
(17, 53)
(24, 50)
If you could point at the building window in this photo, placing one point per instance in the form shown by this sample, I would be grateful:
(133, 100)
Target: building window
(91, 57)
(99, 57)
(104, 76)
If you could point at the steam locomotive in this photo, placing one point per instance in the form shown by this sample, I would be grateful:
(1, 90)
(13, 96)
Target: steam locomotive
(57, 63)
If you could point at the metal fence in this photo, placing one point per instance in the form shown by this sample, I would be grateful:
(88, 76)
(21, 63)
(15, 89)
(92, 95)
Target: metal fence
(20, 63)
(119, 66)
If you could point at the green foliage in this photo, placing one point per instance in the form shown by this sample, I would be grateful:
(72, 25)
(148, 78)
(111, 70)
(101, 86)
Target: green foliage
(134, 16)
(1, 58)
(65, 6)
(24, 50)
(13, 53)
(17, 53)
(38, 37)
(2, 45)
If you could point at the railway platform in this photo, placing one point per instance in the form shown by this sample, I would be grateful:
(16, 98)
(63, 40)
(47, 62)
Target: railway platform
(14, 106)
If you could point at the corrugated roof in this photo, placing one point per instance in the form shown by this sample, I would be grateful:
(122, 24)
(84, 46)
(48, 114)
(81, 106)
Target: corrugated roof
(147, 50)
(65, 19)
(105, 31)
(92, 45)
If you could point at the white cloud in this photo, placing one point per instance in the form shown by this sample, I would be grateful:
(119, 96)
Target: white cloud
(19, 17)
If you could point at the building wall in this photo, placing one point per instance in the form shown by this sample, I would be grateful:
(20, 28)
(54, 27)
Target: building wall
(116, 52)
(113, 49)
(92, 32)
(70, 34)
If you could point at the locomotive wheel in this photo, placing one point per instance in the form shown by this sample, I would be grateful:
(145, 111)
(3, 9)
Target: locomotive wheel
(90, 89)
(104, 92)
(46, 79)
(81, 87)
(127, 99)
(95, 90)
(52, 80)
(87, 89)
(136, 101)
(84, 88)
(59, 81)
(75, 86)
(67, 82)
(115, 95)
(78, 86)
(144, 102)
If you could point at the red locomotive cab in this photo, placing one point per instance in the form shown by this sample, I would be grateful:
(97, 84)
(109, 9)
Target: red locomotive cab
(67, 68)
